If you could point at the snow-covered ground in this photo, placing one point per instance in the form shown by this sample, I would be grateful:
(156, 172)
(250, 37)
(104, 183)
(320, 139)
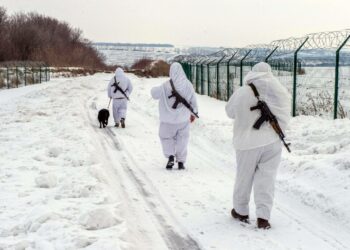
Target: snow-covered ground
(66, 184)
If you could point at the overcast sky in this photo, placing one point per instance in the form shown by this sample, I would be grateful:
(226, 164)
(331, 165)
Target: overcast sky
(227, 23)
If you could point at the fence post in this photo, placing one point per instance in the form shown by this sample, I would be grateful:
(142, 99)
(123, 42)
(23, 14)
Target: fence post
(241, 69)
(25, 75)
(228, 75)
(208, 65)
(268, 57)
(198, 73)
(336, 85)
(218, 92)
(193, 71)
(184, 66)
(197, 76)
(208, 72)
(191, 64)
(7, 77)
(17, 76)
(33, 75)
(187, 70)
(295, 76)
(202, 83)
(205, 63)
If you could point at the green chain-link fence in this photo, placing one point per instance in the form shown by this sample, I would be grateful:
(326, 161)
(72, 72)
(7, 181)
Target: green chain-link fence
(315, 69)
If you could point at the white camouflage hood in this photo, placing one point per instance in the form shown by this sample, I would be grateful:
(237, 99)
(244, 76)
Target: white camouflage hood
(270, 89)
(182, 85)
(119, 74)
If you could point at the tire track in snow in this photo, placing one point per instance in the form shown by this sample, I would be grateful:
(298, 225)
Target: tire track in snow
(141, 235)
(173, 239)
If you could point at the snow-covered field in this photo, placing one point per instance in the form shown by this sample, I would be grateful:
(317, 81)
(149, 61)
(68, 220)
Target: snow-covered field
(66, 184)
(127, 58)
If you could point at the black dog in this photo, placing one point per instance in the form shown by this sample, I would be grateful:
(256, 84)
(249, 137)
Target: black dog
(102, 117)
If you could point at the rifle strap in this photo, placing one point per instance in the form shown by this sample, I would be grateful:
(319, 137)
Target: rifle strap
(115, 84)
(177, 95)
(256, 93)
(120, 89)
(172, 85)
(115, 81)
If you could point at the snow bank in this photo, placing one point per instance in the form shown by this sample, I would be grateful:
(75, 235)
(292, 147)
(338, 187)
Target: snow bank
(317, 172)
(51, 196)
(46, 181)
(98, 219)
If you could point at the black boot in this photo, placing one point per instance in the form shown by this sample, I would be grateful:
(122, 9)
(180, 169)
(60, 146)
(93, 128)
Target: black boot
(243, 218)
(116, 125)
(170, 163)
(122, 122)
(263, 224)
(181, 166)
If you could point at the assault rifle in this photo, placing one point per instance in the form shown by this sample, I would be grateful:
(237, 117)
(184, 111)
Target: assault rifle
(180, 99)
(267, 116)
(116, 85)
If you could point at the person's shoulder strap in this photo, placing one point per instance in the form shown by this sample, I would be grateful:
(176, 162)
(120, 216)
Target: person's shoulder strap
(256, 93)
(172, 85)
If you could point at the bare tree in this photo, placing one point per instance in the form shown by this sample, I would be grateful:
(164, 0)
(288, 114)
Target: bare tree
(31, 36)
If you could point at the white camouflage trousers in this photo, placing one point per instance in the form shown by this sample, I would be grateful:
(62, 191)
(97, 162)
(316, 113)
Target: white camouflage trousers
(119, 109)
(257, 166)
(174, 139)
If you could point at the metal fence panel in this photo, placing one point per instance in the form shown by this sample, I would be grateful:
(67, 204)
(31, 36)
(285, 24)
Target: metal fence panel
(14, 77)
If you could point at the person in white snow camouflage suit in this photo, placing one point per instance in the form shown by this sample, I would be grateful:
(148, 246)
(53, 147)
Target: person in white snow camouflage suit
(119, 89)
(174, 126)
(258, 151)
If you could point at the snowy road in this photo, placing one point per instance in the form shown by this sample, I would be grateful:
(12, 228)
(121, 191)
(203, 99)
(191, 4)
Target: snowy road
(121, 173)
